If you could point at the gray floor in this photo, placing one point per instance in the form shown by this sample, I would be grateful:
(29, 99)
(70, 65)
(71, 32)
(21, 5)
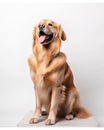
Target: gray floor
(90, 122)
(21, 117)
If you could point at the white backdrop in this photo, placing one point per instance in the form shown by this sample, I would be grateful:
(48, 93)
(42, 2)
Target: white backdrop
(84, 48)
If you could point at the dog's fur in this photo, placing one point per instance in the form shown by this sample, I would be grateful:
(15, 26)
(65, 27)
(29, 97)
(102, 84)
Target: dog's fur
(52, 76)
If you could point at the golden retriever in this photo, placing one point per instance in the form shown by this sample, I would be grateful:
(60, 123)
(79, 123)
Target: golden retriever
(52, 77)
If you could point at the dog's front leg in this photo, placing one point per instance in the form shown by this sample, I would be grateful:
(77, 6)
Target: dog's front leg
(35, 118)
(53, 109)
(57, 99)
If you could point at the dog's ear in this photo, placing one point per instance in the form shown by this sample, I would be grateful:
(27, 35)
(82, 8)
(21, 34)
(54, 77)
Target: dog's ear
(34, 33)
(62, 33)
(63, 36)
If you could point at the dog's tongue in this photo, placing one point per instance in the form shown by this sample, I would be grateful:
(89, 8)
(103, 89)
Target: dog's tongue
(42, 38)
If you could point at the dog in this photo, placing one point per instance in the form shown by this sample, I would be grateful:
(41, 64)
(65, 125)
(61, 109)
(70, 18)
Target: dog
(52, 77)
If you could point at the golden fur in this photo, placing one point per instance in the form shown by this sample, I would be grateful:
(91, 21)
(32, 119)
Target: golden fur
(52, 77)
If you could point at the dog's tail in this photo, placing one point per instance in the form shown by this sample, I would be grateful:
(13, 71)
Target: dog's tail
(83, 113)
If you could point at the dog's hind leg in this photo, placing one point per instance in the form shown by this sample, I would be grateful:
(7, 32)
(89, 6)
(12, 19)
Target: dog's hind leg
(72, 103)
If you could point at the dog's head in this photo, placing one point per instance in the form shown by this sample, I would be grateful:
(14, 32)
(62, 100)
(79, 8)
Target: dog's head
(47, 31)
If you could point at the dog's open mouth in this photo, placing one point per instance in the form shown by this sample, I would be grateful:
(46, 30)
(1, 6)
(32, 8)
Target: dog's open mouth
(44, 37)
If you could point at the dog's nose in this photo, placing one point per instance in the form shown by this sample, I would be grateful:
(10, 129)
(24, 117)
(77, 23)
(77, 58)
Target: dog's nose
(41, 26)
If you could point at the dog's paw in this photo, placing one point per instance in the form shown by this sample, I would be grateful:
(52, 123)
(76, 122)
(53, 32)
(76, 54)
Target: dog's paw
(69, 117)
(33, 120)
(49, 122)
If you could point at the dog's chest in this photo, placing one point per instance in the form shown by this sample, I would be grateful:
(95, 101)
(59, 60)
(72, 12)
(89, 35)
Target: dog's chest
(43, 79)
(38, 76)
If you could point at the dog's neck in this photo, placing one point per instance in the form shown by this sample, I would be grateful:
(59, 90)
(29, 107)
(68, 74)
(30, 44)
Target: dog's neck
(45, 53)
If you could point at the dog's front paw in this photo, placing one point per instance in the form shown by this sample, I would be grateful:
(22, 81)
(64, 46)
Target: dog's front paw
(33, 120)
(49, 122)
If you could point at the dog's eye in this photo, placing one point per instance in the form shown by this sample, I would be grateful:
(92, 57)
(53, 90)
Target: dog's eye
(50, 24)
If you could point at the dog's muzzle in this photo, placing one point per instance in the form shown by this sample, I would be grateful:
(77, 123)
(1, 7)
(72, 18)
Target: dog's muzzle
(43, 36)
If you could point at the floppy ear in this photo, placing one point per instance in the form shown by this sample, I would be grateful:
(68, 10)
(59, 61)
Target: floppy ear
(34, 33)
(62, 33)
(63, 36)
(34, 36)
